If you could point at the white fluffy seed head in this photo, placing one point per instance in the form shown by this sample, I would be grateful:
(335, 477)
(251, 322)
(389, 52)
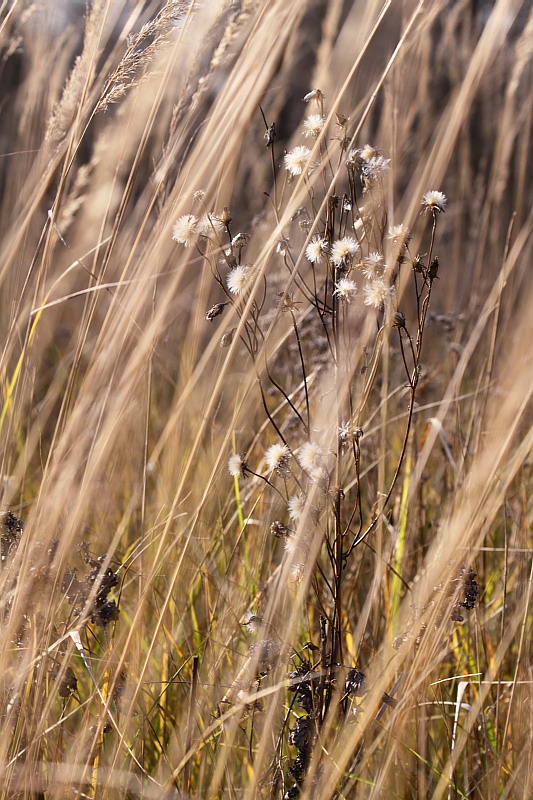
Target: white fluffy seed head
(185, 230)
(313, 124)
(345, 289)
(371, 264)
(277, 457)
(296, 506)
(239, 279)
(236, 466)
(297, 159)
(367, 152)
(209, 225)
(317, 250)
(311, 457)
(374, 167)
(435, 201)
(376, 293)
(343, 250)
(398, 234)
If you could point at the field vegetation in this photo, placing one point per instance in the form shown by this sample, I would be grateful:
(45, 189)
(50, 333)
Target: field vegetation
(265, 412)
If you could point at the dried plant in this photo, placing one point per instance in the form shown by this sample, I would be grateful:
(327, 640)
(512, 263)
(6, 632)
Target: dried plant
(266, 401)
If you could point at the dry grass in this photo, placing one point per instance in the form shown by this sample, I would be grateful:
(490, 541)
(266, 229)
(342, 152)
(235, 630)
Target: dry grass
(150, 616)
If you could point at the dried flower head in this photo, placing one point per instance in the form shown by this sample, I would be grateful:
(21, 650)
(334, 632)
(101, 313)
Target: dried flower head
(373, 168)
(313, 125)
(283, 246)
(280, 530)
(367, 152)
(314, 94)
(311, 457)
(236, 466)
(434, 201)
(371, 264)
(349, 433)
(317, 250)
(209, 225)
(225, 216)
(398, 234)
(297, 159)
(343, 250)
(240, 239)
(376, 293)
(353, 159)
(185, 230)
(277, 457)
(296, 506)
(215, 311)
(345, 289)
(240, 279)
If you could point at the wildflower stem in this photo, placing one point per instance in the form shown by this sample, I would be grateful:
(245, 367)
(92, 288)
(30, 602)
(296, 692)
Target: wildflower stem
(302, 361)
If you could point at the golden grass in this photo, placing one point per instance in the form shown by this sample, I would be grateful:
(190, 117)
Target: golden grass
(120, 409)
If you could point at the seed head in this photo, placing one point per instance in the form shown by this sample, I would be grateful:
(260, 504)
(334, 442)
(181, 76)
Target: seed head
(317, 250)
(374, 167)
(240, 279)
(237, 466)
(297, 159)
(343, 250)
(398, 234)
(225, 216)
(209, 225)
(367, 152)
(240, 239)
(280, 530)
(227, 338)
(377, 292)
(313, 125)
(185, 230)
(434, 201)
(283, 246)
(277, 457)
(310, 457)
(296, 507)
(345, 289)
(371, 264)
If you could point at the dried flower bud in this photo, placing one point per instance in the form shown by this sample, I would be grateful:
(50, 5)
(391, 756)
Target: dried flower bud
(270, 135)
(283, 246)
(314, 94)
(280, 530)
(240, 239)
(224, 216)
(399, 319)
(215, 311)
(433, 269)
(227, 338)
(418, 265)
